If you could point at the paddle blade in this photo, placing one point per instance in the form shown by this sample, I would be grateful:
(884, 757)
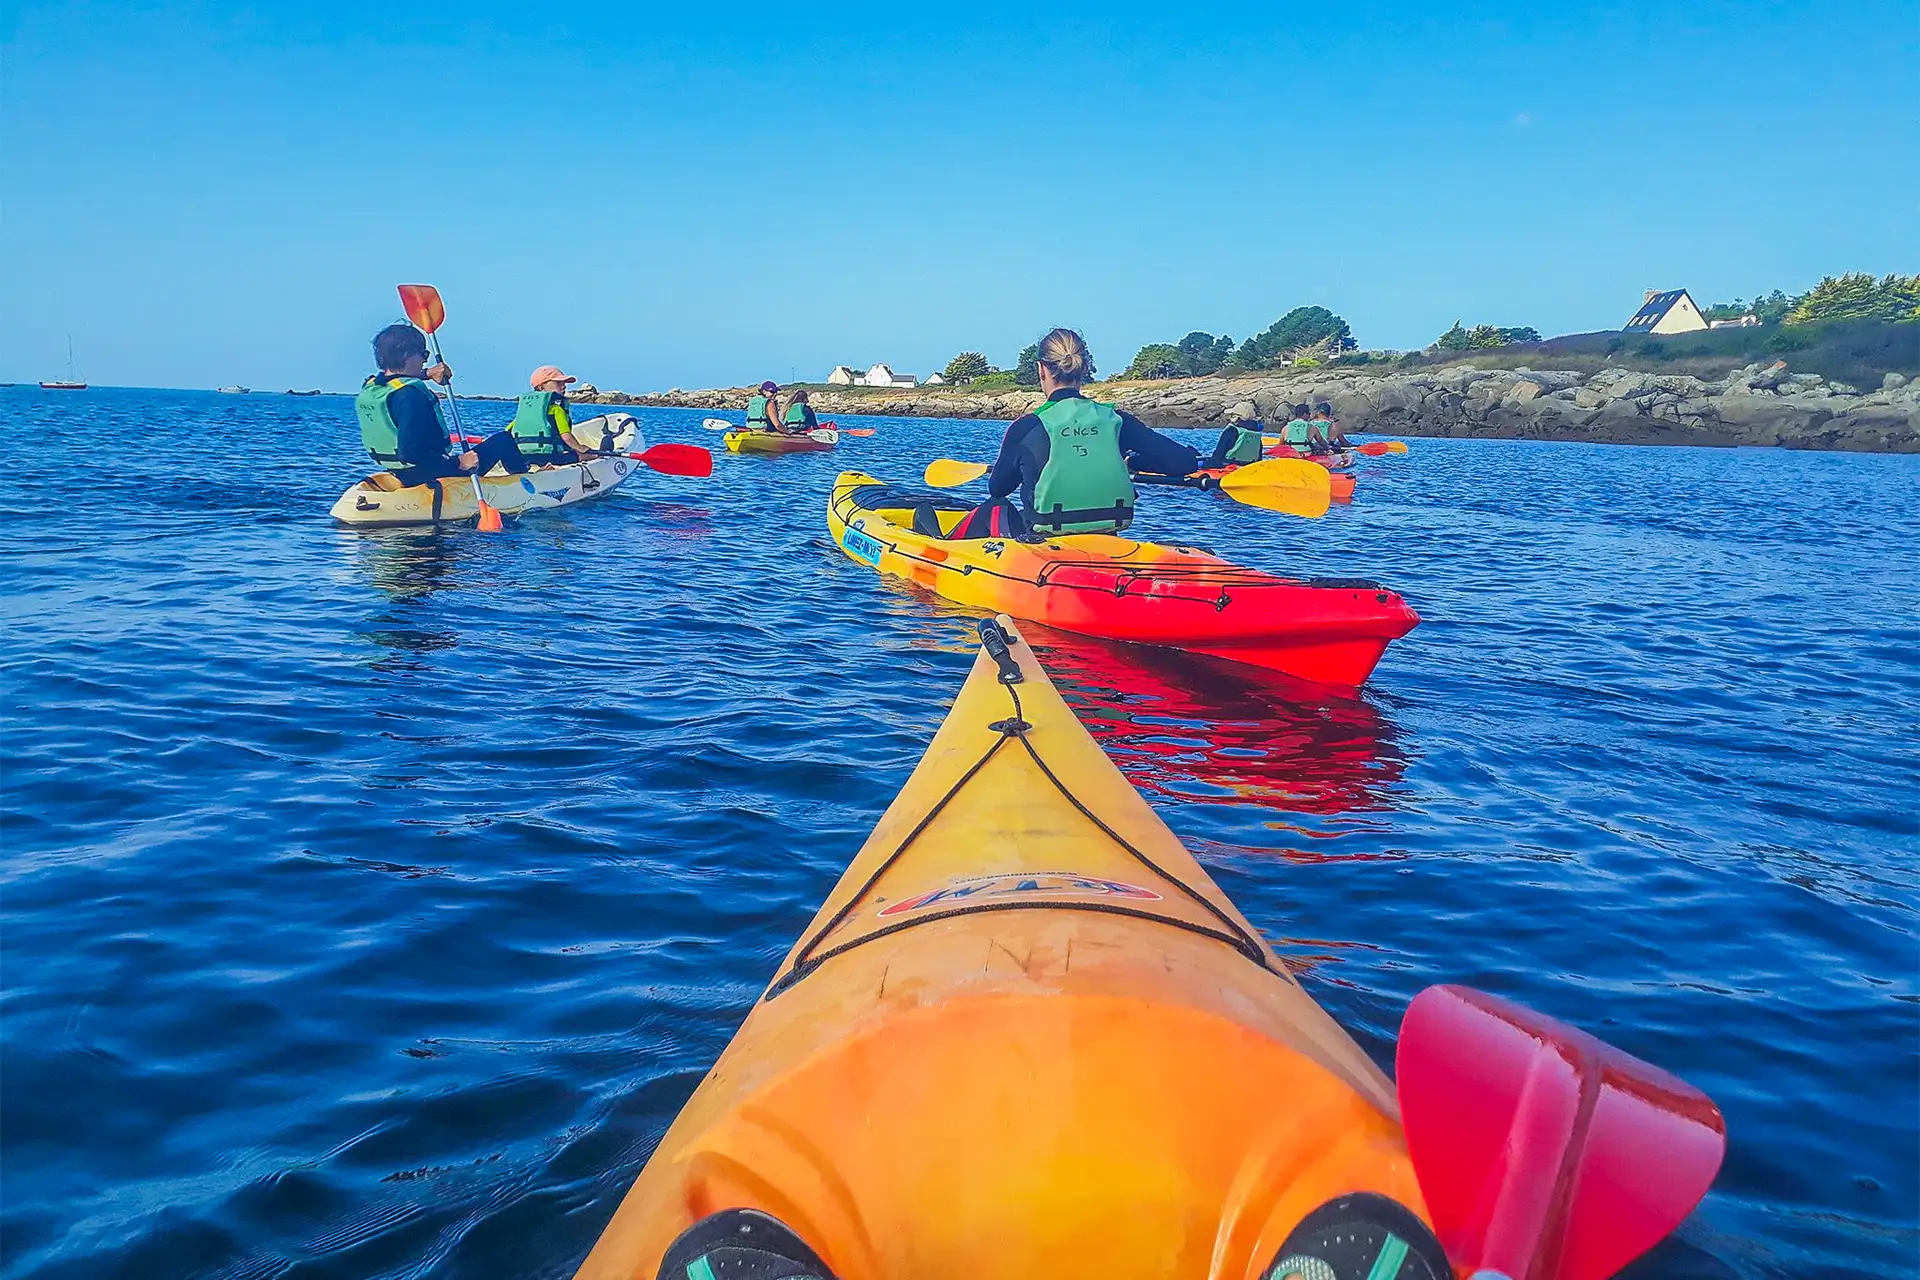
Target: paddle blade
(1373, 448)
(718, 424)
(855, 431)
(948, 473)
(824, 435)
(423, 305)
(677, 459)
(1396, 446)
(1289, 485)
(1542, 1152)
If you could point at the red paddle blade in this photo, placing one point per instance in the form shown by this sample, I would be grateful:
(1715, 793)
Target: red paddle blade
(1543, 1153)
(423, 305)
(851, 431)
(677, 459)
(1373, 449)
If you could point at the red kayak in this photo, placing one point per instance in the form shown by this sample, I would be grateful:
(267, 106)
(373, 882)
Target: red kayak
(1328, 630)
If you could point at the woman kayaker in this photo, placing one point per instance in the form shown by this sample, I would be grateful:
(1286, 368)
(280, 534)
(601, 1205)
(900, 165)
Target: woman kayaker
(543, 421)
(800, 417)
(1070, 460)
(400, 422)
(1241, 442)
(761, 407)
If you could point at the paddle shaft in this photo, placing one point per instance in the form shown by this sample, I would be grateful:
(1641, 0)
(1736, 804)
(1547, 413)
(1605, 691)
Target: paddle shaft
(459, 432)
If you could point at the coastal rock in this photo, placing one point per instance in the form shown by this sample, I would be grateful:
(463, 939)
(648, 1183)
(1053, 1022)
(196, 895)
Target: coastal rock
(1521, 392)
(1893, 382)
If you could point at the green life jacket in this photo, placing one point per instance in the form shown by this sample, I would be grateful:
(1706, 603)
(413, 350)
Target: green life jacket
(796, 415)
(1297, 432)
(533, 428)
(1247, 446)
(378, 431)
(1085, 486)
(757, 419)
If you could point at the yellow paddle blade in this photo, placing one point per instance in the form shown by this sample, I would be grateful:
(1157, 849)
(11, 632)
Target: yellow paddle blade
(1396, 446)
(1290, 485)
(1270, 441)
(948, 473)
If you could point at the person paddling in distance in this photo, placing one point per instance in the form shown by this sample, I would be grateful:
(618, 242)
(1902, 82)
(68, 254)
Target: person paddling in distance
(800, 417)
(761, 407)
(1329, 429)
(543, 420)
(1241, 442)
(1071, 460)
(400, 422)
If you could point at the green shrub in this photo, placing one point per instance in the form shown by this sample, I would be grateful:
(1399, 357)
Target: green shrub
(1858, 296)
(1299, 328)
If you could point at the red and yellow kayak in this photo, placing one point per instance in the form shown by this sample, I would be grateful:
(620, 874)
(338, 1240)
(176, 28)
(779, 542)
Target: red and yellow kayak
(1331, 631)
(820, 439)
(1028, 1036)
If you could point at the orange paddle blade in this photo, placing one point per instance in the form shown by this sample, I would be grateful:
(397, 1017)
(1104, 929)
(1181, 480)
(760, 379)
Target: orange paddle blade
(423, 305)
(489, 519)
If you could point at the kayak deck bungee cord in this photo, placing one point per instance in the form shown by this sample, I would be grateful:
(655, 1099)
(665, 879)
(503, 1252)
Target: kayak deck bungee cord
(1026, 1035)
(1329, 630)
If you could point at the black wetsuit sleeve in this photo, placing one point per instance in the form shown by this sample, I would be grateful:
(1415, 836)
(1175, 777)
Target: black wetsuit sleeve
(1148, 450)
(421, 439)
(1016, 450)
(812, 419)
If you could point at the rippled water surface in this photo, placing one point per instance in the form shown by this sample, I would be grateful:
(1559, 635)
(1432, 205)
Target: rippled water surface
(372, 901)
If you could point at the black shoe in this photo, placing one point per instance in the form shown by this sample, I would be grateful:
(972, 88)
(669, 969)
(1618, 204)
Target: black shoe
(741, 1244)
(1363, 1236)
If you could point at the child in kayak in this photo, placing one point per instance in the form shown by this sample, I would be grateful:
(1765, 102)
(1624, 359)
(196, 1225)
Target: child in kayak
(1241, 442)
(543, 421)
(799, 417)
(1072, 459)
(400, 422)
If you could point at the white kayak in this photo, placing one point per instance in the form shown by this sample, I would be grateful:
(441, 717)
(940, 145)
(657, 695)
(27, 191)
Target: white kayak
(611, 433)
(381, 499)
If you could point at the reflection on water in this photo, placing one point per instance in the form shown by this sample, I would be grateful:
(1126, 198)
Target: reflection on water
(1194, 730)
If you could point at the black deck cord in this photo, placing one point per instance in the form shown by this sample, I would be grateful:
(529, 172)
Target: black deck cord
(994, 639)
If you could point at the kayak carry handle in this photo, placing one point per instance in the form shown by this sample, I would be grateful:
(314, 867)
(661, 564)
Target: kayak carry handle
(994, 638)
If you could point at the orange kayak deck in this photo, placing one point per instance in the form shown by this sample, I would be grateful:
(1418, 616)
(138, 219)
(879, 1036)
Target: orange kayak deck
(1026, 1035)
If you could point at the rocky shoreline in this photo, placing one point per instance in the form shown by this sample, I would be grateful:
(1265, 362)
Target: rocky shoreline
(1759, 405)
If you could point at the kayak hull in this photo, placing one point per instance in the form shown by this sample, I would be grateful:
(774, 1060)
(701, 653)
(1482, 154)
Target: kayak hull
(774, 442)
(1339, 483)
(379, 501)
(1330, 631)
(963, 1067)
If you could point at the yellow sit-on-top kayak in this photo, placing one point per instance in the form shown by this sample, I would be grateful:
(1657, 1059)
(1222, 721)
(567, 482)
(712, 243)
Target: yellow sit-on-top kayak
(818, 440)
(1028, 1036)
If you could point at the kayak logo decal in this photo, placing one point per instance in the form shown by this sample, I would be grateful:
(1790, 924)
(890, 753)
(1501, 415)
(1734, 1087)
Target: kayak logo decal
(861, 547)
(1016, 883)
(527, 485)
(619, 467)
(993, 548)
(558, 495)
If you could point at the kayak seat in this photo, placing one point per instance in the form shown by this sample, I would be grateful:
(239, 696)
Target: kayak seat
(927, 521)
(741, 1244)
(384, 481)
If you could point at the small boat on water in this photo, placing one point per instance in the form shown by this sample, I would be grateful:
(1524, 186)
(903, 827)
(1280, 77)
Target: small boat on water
(68, 383)
(292, 392)
(235, 391)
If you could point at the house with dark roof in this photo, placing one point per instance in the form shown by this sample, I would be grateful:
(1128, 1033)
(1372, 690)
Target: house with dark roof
(1670, 312)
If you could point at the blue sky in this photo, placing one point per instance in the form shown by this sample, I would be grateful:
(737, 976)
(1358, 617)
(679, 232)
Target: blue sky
(211, 193)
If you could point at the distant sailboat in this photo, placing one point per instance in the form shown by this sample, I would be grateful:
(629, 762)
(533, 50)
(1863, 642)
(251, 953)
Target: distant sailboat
(68, 383)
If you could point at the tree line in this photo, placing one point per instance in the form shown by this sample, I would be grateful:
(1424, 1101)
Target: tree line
(1311, 335)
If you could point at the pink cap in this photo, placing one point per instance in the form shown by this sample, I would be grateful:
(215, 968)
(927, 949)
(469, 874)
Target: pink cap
(549, 373)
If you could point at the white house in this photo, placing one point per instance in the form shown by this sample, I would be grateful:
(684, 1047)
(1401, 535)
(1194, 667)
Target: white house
(881, 376)
(843, 377)
(934, 380)
(1669, 312)
(1746, 321)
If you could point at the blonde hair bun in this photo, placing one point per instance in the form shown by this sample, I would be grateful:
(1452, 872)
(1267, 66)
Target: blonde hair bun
(1065, 352)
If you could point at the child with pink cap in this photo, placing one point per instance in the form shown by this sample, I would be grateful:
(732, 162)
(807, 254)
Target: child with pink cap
(543, 422)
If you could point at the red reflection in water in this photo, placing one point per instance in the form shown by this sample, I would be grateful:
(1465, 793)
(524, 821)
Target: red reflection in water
(1190, 729)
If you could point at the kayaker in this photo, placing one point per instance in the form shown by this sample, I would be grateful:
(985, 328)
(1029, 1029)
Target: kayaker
(1301, 435)
(1071, 460)
(1329, 429)
(1241, 441)
(400, 422)
(762, 405)
(800, 417)
(543, 420)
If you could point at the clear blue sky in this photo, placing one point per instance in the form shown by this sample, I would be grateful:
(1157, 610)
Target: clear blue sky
(698, 194)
